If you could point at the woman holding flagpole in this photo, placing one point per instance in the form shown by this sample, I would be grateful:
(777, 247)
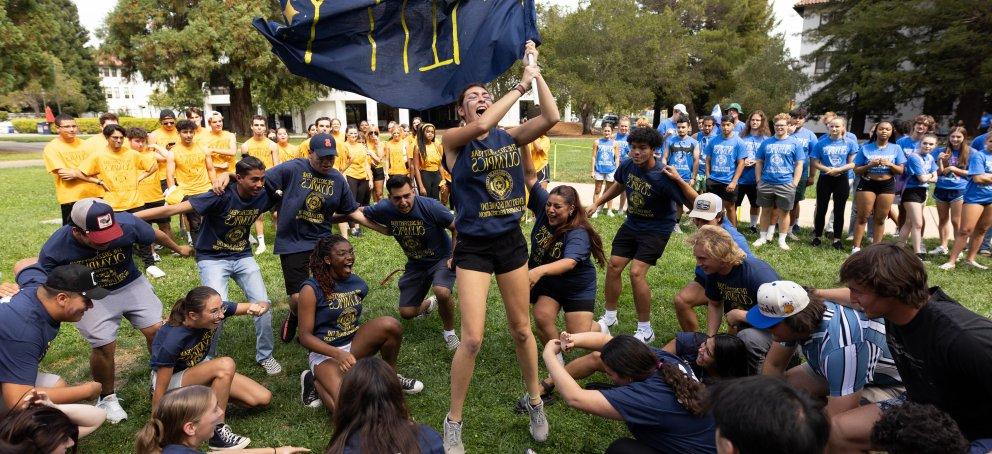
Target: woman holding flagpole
(487, 167)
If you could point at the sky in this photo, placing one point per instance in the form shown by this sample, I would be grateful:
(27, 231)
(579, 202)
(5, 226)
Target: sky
(93, 12)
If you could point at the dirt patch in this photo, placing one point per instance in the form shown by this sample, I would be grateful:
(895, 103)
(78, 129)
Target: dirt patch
(566, 129)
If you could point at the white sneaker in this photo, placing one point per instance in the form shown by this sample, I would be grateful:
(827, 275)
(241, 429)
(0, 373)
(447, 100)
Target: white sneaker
(431, 307)
(271, 366)
(759, 242)
(947, 266)
(855, 250)
(608, 322)
(155, 272)
(609, 213)
(976, 265)
(938, 250)
(538, 422)
(453, 437)
(594, 215)
(792, 236)
(644, 335)
(452, 342)
(112, 405)
(155, 257)
(603, 327)
(410, 385)
(783, 246)
(261, 249)
(252, 239)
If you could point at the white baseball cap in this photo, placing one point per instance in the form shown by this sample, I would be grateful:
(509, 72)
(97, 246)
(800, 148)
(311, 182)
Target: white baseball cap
(680, 108)
(706, 206)
(776, 301)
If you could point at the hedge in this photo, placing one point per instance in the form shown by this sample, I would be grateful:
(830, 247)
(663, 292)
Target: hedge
(86, 125)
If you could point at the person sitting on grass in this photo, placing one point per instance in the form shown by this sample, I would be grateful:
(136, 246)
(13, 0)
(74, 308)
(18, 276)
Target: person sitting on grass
(716, 357)
(179, 358)
(331, 328)
(847, 358)
(371, 399)
(657, 395)
(184, 419)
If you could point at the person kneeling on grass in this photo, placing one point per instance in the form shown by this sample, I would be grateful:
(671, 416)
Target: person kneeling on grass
(184, 419)
(374, 402)
(657, 394)
(180, 349)
(330, 311)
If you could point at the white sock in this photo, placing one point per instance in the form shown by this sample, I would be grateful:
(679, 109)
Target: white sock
(754, 219)
(645, 326)
(771, 231)
(261, 238)
(446, 333)
(781, 237)
(610, 315)
(763, 235)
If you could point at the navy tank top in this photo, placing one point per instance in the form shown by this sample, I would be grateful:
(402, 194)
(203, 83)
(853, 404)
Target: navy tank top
(488, 182)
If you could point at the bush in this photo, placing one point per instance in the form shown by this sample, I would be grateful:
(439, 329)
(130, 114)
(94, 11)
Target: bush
(26, 125)
(4, 115)
(86, 125)
(148, 124)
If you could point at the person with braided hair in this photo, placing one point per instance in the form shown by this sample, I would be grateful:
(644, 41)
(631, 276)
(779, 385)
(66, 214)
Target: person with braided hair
(330, 311)
(656, 393)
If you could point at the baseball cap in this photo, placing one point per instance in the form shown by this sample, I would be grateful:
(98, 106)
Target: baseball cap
(706, 206)
(776, 301)
(76, 278)
(736, 107)
(323, 145)
(96, 218)
(680, 108)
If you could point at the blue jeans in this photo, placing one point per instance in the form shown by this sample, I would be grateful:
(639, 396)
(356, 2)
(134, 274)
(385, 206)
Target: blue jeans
(248, 276)
(985, 241)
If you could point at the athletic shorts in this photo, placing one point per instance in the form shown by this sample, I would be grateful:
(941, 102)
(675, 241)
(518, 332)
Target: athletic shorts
(800, 191)
(914, 195)
(877, 186)
(314, 359)
(569, 301)
(948, 195)
(646, 247)
(498, 255)
(378, 174)
(295, 270)
(687, 345)
(543, 175)
(175, 382)
(781, 196)
(418, 278)
(162, 220)
(135, 301)
(720, 189)
(603, 176)
(747, 190)
(42, 380)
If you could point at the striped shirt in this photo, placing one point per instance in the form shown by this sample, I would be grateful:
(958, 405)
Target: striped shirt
(849, 350)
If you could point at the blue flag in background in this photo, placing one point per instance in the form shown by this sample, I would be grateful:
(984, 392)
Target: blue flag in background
(414, 54)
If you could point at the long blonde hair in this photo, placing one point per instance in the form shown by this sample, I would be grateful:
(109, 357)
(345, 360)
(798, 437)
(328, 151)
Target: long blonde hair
(176, 408)
(718, 244)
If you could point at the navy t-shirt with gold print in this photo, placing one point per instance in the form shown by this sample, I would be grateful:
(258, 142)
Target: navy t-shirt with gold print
(338, 315)
(227, 222)
(180, 347)
(489, 180)
(422, 233)
(652, 198)
(309, 200)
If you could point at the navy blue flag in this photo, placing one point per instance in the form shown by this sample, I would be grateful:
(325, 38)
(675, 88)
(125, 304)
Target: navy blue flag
(414, 54)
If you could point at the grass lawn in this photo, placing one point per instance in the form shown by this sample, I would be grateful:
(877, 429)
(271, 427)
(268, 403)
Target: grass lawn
(19, 155)
(490, 424)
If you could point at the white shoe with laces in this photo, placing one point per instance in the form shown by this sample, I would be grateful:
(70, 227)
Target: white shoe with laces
(538, 422)
(759, 242)
(976, 265)
(452, 342)
(431, 307)
(453, 437)
(644, 335)
(271, 366)
(155, 272)
(112, 405)
(410, 385)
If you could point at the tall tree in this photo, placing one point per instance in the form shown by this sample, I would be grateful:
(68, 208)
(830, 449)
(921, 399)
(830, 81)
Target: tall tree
(204, 43)
(881, 53)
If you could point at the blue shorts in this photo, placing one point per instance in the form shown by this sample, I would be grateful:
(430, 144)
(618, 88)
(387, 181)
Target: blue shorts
(418, 279)
(948, 195)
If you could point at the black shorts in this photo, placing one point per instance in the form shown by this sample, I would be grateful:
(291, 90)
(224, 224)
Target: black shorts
(720, 189)
(569, 301)
(163, 220)
(644, 246)
(66, 209)
(747, 190)
(378, 174)
(948, 195)
(295, 270)
(877, 186)
(418, 278)
(914, 195)
(498, 255)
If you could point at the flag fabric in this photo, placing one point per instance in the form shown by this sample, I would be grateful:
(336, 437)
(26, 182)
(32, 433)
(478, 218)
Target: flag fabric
(414, 54)
(49, 116)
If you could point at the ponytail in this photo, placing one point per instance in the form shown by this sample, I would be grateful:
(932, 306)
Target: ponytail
(688, 391)
(149, 438)
(630, 358)
(193, 302)
(176, 408)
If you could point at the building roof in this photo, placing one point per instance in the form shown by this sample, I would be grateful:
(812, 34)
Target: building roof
(801, 4)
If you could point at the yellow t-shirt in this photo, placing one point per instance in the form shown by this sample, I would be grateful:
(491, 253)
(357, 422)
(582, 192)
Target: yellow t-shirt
(119, 171)
(433, 161)
(164, 139)
(261, 149)
(303, 149)
(191, 169)
(396, 154)
(339, 138)
(357, 157)
(222, 162)
(150, 189)
(539, 152)
(375, 148)
(288, 152)
(59, 154)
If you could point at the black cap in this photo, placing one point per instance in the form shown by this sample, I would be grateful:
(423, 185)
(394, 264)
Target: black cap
(323, 145)
(76, 278)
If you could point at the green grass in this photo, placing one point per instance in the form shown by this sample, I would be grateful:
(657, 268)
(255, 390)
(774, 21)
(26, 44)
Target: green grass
(19, 155)
(32, 138)
(491, 426)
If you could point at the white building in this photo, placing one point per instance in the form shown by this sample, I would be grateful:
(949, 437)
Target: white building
(125, 97)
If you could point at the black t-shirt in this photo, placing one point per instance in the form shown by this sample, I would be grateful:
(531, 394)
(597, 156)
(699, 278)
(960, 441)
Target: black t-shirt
(944, 356)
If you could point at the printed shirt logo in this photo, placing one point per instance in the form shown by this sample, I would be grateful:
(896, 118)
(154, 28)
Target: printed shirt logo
(499, 184)
(327, 143)
(104, 221)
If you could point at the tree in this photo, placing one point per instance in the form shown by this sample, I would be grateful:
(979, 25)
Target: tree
(770, 80)
(206, 43)
(881, 53)
(65, 93)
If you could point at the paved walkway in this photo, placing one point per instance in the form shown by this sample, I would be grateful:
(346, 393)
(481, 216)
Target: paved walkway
(21, 147)
(806, 211)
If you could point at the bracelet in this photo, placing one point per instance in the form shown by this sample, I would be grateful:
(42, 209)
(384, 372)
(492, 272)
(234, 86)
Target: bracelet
(520, 88)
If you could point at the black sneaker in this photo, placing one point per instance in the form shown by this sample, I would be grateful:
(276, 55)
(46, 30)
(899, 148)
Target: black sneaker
(547, 397)
(308, 390)
(288, 331)
(816, 241)
(410, 385)
(753, 229)
(838, 245)
(225, 439)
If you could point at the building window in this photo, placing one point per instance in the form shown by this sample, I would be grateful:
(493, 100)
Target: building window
(127, 92)
(822, 65)
(108, 93)
(117, 92)
(825, 18)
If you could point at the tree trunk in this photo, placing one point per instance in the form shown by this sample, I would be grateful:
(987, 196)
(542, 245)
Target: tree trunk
(586, 112)
(690, 108)
(303, 121)
(969, 110)
(241, 109)
(657, 111)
